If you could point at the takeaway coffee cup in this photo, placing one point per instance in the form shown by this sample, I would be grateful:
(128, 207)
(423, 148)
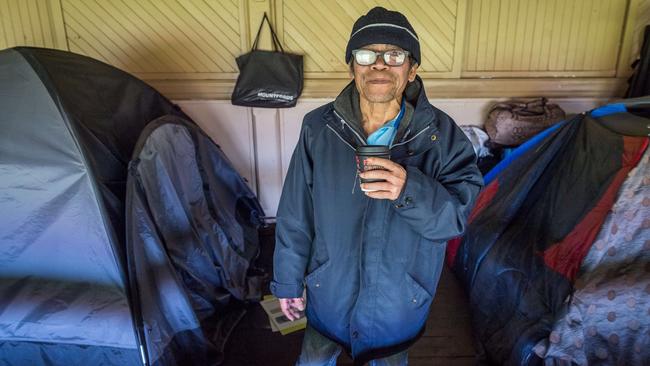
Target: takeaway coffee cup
(371, 151)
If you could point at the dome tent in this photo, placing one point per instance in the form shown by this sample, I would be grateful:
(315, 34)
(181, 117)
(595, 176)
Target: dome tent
(68, 129)
(534, 224)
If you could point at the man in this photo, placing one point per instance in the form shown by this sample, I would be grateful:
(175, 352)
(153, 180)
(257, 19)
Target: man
(371, 260)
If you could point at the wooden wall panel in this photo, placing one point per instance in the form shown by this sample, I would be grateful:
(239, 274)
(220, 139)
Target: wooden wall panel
(551, 37)
(640, 21)
(470, 48)
(320, 30)
(200, 37)
(31, 23)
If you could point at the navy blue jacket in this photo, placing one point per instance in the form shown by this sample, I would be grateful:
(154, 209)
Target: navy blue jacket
(371, 266)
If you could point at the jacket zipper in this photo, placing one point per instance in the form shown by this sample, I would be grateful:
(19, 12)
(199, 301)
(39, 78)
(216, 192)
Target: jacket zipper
(354, 182)
(363, 230)
(365, 211)
(341, 138)
(361, 139)
(363, 142)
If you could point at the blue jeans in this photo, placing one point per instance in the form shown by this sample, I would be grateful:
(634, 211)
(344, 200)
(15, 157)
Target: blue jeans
(318, 350)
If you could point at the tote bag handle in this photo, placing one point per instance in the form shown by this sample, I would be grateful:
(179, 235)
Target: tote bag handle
(276, 42)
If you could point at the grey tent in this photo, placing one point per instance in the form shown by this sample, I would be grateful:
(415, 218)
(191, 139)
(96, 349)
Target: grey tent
(191, 237)
(68, 128)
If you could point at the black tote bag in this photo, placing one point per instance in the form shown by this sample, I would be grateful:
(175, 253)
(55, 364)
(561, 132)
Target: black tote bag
(268, 79)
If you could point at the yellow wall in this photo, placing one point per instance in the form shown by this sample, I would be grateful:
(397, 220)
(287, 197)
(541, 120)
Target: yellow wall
(470, 48)
(553, 37)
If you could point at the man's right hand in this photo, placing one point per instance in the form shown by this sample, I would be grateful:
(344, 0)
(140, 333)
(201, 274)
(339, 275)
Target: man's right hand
(291, 307)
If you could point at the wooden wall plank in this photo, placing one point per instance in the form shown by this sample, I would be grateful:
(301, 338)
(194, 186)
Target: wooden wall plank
(57, 25)
(559, 37)
(471, 41)
(637, 18)
(459, 35)
(593, 87)
(640, 21)
(31, 23)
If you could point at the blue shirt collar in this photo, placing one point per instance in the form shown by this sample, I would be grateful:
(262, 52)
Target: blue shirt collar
(386, 133)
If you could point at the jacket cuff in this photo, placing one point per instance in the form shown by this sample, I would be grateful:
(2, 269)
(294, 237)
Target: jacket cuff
(286, 291)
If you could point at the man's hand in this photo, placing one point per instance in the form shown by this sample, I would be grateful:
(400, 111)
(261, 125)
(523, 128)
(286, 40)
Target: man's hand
(291, 307)
(394, 176)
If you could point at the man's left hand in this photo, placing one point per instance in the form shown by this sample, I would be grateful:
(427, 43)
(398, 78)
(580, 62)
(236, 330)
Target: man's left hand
(394, 176)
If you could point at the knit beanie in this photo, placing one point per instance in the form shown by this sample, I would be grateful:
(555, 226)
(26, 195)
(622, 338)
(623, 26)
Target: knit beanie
(383, 26)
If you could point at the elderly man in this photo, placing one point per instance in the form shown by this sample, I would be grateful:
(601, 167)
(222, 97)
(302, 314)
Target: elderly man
(371, 258)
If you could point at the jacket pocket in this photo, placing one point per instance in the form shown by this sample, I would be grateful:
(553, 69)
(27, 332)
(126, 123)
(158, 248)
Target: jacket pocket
(313, 279)
(427, 264)
(418, 295)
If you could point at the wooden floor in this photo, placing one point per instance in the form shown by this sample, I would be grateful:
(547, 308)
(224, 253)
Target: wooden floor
(447, 340)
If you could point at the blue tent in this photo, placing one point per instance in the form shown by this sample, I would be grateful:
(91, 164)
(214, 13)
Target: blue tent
(535, 221)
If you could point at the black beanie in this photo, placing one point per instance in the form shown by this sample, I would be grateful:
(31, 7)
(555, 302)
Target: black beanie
(383, 26)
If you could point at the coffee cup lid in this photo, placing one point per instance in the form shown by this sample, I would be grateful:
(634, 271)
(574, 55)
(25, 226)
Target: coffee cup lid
(372, 149)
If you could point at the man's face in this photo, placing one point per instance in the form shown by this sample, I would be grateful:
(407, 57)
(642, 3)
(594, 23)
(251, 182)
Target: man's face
(380, 83)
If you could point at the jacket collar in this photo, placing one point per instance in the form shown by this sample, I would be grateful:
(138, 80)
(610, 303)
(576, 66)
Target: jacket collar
(417, 114)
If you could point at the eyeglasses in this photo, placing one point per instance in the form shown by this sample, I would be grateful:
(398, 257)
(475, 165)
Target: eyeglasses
(391, 57)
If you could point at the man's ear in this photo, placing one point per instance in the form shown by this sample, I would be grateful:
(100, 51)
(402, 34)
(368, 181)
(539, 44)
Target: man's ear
(413, 71)
(351, 69)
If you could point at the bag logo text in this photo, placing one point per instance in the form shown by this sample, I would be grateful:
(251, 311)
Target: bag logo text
(275, 96)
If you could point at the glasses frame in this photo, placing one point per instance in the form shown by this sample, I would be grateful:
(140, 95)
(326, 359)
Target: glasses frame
(381, 54)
